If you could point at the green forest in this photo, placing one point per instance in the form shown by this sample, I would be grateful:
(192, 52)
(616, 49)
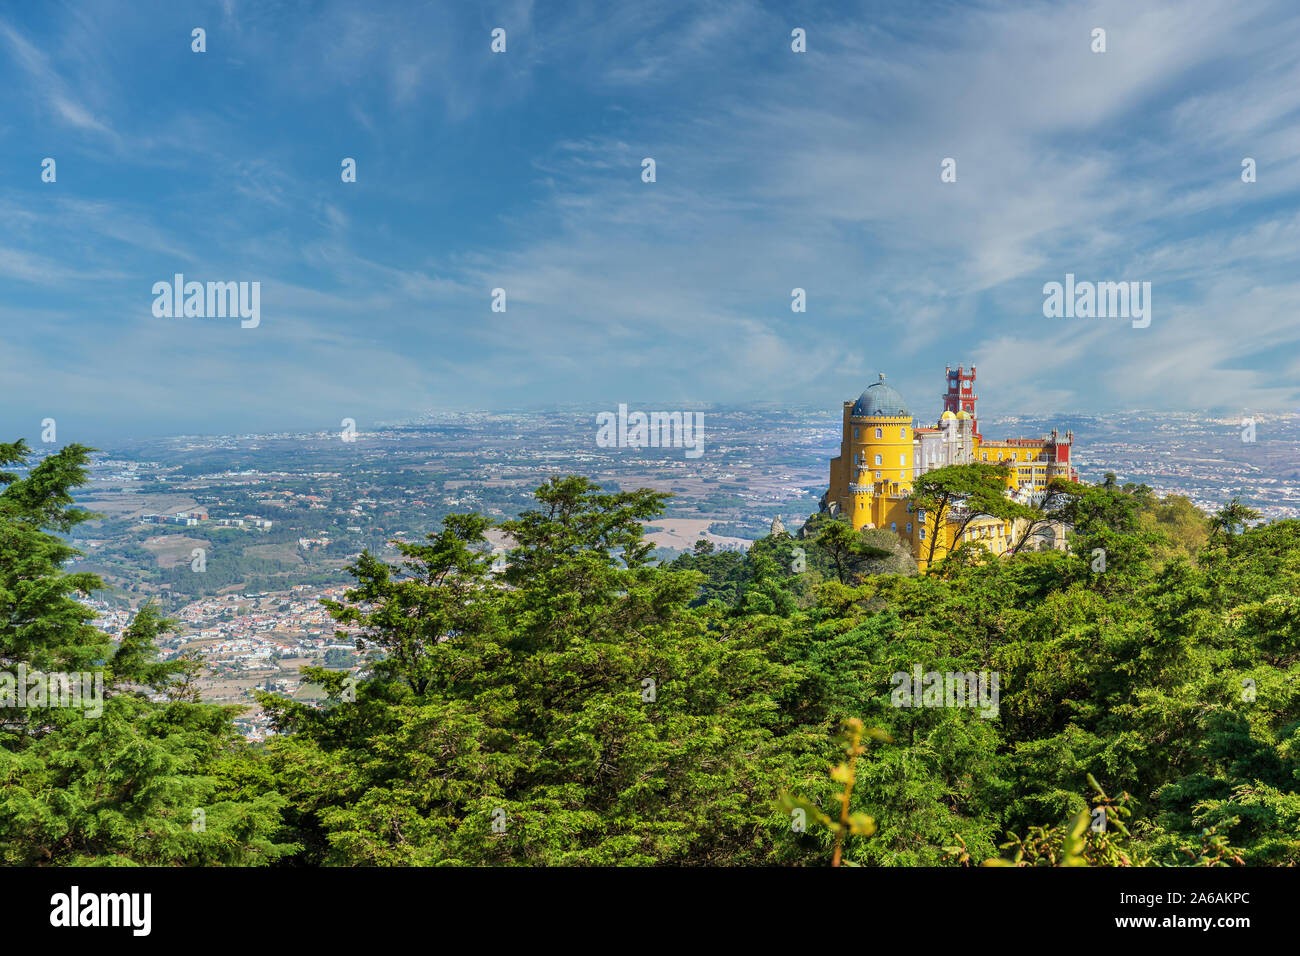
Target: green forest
(589, 705)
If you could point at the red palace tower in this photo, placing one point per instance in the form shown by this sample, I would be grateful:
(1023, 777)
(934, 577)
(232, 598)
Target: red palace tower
(961, 396)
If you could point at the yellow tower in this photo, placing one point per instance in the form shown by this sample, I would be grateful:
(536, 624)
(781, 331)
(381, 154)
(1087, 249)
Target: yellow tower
(873, 472)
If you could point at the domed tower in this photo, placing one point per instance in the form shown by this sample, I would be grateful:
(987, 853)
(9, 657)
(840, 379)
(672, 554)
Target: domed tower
(875, 462)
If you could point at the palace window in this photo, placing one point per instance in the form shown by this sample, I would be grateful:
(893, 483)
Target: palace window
(921, 514)
(902, 460)
(879, 459)
(902, 432)
(880, 433)
(855, 432)
(893, 526)
(922, 534)
(909, 527)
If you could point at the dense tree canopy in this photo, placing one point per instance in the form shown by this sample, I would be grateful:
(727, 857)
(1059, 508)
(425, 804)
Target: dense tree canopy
(141, 775)
(588, 706)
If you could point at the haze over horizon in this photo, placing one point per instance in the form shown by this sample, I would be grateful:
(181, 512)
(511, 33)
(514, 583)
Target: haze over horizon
(108, 440)
(522, 170)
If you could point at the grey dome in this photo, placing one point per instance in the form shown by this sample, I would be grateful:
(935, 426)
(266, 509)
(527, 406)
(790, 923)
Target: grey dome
(880, 401)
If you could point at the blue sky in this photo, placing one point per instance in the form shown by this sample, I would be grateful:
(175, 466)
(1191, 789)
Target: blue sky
(521, 170)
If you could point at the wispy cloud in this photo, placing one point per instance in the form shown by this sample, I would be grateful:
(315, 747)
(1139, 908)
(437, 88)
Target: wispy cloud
(45, 85)
(775, 170)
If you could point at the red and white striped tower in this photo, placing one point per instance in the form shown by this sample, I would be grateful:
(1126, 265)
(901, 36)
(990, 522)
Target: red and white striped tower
(961, 396)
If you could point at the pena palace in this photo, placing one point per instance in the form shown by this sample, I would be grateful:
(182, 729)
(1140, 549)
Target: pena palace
(882, 453)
